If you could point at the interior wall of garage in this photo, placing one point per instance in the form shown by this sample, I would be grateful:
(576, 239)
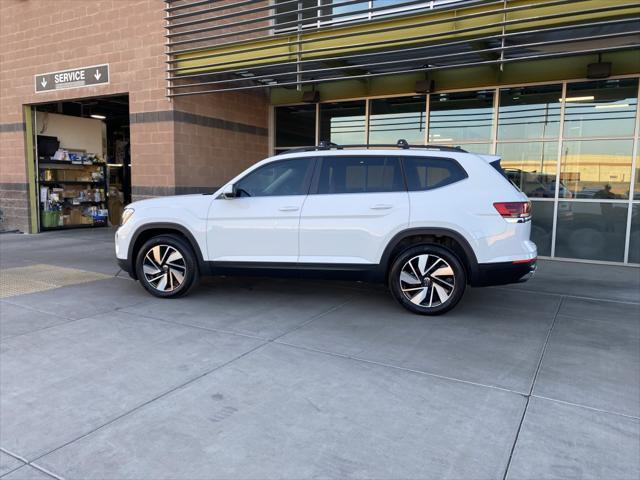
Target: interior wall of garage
(74, 133)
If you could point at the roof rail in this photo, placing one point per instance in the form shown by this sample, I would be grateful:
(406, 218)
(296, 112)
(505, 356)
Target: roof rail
(402, 143)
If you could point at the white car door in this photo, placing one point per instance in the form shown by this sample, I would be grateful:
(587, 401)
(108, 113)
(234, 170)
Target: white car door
(356, 205)
(261, 223)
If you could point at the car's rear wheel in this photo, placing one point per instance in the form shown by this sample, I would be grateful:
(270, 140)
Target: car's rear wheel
(166, 266)
(427, 279)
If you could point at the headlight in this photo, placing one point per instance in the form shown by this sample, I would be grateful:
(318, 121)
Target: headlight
(126, 215)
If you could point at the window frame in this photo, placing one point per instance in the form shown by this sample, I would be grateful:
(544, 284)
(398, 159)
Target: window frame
(428, 158)
(315, 181)
(311, 169)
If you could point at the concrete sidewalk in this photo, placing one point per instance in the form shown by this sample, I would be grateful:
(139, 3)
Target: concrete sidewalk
(252, 378)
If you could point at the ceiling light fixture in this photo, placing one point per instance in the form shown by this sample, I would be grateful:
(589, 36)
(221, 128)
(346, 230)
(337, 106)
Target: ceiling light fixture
(613, 105)
(577, 99)
(98, 117)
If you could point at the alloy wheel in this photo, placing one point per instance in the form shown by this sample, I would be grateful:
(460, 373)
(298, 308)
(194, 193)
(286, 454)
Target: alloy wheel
(164, 268)
(427, 280)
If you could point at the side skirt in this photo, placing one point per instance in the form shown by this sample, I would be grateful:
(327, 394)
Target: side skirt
(367, 273)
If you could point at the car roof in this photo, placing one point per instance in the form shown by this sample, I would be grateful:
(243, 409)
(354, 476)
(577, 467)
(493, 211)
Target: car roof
(369, 151)
(460, 155)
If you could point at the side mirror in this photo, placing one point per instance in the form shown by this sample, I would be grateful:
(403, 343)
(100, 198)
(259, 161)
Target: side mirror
(229, 191)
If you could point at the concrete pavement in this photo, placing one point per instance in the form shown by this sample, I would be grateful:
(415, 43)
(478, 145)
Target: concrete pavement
(255, 378)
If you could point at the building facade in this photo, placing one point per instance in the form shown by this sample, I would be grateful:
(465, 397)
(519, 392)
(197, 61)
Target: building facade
(551, 86)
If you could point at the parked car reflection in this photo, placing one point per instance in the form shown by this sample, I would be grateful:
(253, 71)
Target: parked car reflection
(591, 230)
(536, 185)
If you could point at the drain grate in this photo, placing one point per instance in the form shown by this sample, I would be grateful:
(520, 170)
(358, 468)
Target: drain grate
(37, 278)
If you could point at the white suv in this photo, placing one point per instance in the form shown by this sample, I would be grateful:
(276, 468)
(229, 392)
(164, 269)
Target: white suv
(427, 220)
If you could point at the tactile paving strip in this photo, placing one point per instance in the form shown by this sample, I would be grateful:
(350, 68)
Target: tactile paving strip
(37, 278)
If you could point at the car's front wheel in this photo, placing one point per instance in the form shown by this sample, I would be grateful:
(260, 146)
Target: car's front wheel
(427, 279)
(166, 266)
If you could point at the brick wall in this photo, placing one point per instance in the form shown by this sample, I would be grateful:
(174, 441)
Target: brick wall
(229, 132)
(38, 36)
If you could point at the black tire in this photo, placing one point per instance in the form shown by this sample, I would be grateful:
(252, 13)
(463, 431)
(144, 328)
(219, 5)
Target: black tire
(427, 294)
(179, 275)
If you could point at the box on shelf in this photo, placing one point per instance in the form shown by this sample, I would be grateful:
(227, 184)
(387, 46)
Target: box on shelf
(75, 216)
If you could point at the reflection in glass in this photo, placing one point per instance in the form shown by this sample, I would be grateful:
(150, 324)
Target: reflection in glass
(288, 15)
(605, 108)
(295, 126)
(636, 187)
(531, 167)
(591, 230)
(479, 148)
(396, 6)
(542, 226)
(343, 122)
(395, 118)
(597, 168)
(461, 117)
(634, 239)
(335, 7)
(529, 112)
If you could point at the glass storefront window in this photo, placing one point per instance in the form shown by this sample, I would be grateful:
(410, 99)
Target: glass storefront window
(593, 150)
(529, 112)
(531, 166)
(343, 122)
(591, 230)
(394, 118)
(596, 168)
(605, 108)
(542, 226)
(634, 239)
(295, 126)
(461, 117)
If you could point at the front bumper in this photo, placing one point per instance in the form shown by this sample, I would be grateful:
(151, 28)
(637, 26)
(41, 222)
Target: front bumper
(125, 265)
(504, 273)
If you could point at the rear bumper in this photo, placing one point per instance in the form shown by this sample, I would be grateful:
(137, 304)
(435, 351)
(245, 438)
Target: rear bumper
(503, 273)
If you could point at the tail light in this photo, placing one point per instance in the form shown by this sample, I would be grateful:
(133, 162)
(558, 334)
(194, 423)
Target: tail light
(515, 212)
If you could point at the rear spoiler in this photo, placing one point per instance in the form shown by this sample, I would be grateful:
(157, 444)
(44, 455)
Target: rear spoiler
(494, 161)
(490, 158)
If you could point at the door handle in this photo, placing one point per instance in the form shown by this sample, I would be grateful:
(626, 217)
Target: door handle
(289, 208)
(381, 206)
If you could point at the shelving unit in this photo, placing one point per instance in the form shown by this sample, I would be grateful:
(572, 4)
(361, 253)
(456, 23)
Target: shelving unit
(72, 194)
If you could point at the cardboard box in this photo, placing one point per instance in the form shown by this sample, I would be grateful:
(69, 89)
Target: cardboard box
(75, 217)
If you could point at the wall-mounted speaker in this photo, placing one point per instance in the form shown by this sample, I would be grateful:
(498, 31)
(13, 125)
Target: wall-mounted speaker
(599, 70)
(312, 96)
(424, 86)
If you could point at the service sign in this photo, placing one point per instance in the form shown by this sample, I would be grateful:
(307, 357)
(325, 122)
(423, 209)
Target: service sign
(75, 78)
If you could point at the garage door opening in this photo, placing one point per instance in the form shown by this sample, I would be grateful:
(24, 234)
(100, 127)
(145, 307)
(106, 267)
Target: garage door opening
(82, 162)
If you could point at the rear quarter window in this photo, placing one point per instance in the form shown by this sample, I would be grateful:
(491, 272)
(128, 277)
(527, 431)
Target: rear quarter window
(428, 173)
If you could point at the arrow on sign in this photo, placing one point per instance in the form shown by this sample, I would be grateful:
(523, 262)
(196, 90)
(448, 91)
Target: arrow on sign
(97, 75)
(43, 83)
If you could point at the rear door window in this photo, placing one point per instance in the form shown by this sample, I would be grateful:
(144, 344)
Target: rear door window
(360, 174)
(428, 173)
